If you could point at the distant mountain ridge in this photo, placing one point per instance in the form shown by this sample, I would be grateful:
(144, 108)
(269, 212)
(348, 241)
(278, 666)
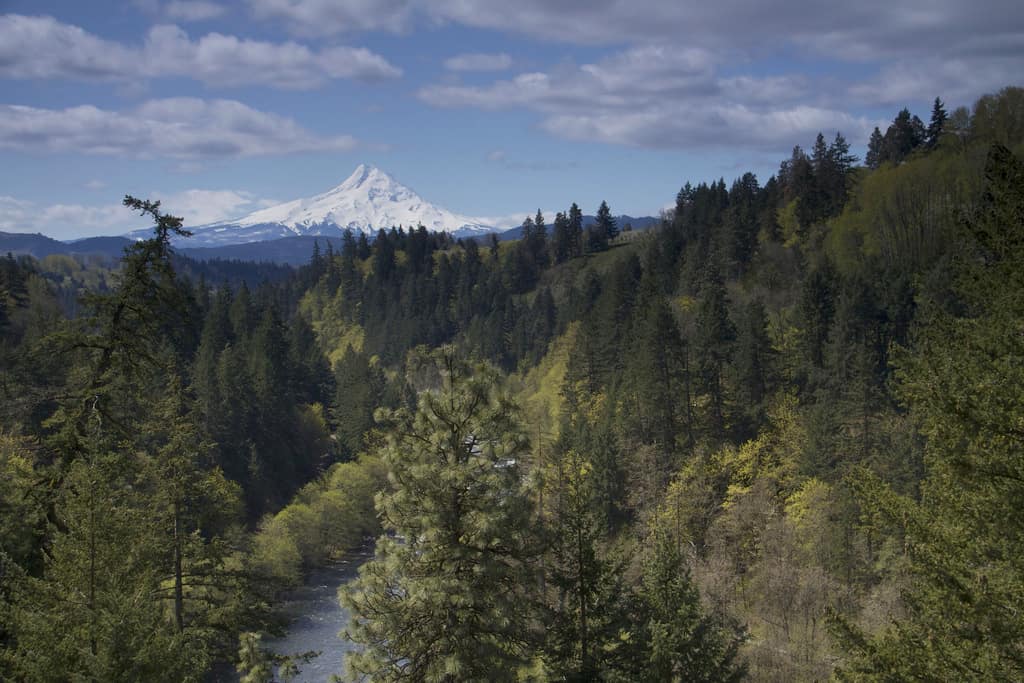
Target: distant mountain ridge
(40, 246)
(369, 200)
(292, 251)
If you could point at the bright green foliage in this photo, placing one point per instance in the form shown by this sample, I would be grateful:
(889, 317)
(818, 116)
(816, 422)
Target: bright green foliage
(20, 517)
(444, 600)
(328, 517)
(254, 664)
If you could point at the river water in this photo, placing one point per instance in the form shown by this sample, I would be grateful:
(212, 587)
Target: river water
(317, 619)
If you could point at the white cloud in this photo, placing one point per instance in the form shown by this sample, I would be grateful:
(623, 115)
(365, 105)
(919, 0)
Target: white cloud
(27, 52)
(63, 220)
(969, 49)
(329, 17)
(659, 96)
(476, 61)
(95, 185)
(955, 80)
(617, 81)
(868, 28)
(178, 128)
(193, 10)
(199, 207)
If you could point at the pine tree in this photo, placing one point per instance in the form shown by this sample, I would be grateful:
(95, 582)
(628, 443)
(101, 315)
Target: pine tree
(817, 308)
(606, 222)
(876, 150)
(752, 364)
(936, 125)
(586, 638)
(359, 393)
(443, 598)
(562, 242)
(575, 231)
(539, 242)
(684, 643)
(906, 134)
(655, 377)
(713, 342)
(963, 382)
(96, 612)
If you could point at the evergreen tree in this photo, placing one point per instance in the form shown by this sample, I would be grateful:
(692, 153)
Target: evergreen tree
(605, 222)
(752, 364)
(585, 640)
(443, 598)
(713, 342)
(539, 242)
(359, 393)
(936, 125)
(906, 134)
(655, 376)
(363, 249)
(963, 383)
(562, 242)
(116, 535)
(876, 150)
(817, 308)
(575, 230)
(684, 643)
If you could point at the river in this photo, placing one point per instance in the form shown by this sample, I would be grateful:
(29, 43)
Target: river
(316, 619)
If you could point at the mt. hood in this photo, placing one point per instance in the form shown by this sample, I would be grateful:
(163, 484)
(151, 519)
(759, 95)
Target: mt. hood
(368, 201)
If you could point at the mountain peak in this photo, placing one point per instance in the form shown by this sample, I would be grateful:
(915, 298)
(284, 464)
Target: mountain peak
(369, 200)
(366, 174)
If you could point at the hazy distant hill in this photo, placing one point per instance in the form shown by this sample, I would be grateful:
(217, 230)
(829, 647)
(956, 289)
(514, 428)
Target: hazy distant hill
(39, 246)
(292, 251)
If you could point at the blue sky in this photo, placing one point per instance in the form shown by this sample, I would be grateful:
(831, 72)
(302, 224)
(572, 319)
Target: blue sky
(489, 108)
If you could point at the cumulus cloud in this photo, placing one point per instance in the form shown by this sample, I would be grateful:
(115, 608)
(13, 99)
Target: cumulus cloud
(862, 28)
(199, 207)
(616, 81)
(955, 80)
(179, 128)
(63, 220)
(658, 96)
(961, 40)
(195, 206)
(329, 17)
(26, 51)
(476, 61)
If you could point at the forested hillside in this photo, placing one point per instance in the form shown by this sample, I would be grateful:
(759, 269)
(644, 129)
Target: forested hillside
(777, 437)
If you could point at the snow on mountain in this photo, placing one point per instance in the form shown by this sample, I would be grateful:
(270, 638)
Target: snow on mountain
(368, 201)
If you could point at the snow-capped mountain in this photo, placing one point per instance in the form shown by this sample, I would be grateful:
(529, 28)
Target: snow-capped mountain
(368, 201)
